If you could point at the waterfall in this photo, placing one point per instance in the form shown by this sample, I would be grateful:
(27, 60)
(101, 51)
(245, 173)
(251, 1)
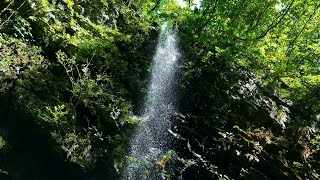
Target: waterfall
(151, 138)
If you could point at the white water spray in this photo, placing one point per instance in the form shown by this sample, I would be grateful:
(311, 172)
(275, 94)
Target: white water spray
(151, 138)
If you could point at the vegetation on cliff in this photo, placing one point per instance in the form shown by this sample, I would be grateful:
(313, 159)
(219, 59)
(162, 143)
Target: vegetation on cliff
(73, 73)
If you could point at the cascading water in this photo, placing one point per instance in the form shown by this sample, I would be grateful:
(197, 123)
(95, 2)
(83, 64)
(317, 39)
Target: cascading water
(151, 138)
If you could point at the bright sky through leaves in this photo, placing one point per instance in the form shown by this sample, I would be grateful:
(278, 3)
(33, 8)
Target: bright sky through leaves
(196, 3)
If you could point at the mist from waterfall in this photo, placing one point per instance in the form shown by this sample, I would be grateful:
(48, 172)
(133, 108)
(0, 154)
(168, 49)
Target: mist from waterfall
(151, 138)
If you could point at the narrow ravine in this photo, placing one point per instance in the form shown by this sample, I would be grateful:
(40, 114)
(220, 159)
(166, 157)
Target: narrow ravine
(151, 138)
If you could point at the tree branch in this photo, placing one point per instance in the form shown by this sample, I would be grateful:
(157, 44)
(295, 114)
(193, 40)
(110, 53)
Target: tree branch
(272, 25)
(304, 26)
(6, 7)
(155, 6)
(12, 14)
(207, 22)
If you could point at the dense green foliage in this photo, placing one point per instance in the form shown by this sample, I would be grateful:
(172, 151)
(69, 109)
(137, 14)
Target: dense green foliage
(249, 103)
(251, 85)
(67, 64)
